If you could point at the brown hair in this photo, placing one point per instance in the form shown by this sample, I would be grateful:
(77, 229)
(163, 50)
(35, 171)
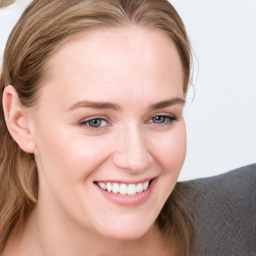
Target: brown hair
(43, 27)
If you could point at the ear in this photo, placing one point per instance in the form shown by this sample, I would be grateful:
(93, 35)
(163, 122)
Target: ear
(17, 120)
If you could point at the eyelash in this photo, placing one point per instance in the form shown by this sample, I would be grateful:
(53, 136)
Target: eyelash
(168, 120)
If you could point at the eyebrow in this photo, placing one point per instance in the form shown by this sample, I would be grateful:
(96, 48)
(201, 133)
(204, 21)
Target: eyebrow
(97, 105)
(116, 107)
(167, 103)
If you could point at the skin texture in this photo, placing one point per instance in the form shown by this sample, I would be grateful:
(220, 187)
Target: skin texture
(134, 69)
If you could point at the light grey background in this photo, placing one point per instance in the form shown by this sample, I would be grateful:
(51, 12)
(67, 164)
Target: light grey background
(221, 120)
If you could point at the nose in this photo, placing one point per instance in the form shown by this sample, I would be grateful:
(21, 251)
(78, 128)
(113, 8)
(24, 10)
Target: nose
(132, 152)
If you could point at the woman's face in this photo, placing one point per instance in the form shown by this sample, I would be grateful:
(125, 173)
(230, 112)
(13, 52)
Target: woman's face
(110, 115)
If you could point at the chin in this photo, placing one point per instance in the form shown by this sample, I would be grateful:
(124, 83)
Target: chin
(129, 236)
(127, 233)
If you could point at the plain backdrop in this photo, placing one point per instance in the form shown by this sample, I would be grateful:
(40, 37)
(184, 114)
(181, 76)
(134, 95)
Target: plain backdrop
(221, 106)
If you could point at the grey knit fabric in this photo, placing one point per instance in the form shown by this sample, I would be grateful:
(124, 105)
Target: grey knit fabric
(224, 208)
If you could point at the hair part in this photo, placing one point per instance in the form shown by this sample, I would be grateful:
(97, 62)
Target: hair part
(42, 29)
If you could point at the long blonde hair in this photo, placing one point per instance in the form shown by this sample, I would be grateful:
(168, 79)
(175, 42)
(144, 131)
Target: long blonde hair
(43, 27)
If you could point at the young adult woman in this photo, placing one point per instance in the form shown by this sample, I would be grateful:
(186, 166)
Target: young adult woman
(92, 133)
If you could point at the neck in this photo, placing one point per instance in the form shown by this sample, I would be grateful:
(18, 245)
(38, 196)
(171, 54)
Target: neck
(50, 239)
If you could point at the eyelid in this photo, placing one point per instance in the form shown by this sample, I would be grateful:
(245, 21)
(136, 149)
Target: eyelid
(164, 115)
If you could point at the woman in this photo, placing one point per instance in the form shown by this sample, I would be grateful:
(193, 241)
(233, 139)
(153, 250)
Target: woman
(93, 137)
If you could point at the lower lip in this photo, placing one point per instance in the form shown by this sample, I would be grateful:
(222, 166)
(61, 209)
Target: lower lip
(128, 200)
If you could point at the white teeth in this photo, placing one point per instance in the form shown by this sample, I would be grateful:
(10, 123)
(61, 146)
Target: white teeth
(124, 189)
(145, 185)
(109, 187)
(102, 185)
(131, 189)
(139, 188)
(115, 188)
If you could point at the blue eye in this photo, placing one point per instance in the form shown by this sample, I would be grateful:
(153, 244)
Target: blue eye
(162, 119)
(94, 123)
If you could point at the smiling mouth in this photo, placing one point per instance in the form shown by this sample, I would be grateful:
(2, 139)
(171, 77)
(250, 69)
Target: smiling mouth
(124, 189)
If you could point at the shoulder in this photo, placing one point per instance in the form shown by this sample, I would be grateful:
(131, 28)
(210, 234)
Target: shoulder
(224, 209)
(235, 184)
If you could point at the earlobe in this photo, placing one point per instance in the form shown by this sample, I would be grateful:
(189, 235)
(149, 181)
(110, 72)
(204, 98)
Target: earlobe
(17, 120)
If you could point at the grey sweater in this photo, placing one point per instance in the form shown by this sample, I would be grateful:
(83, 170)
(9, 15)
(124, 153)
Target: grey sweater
(224, 208)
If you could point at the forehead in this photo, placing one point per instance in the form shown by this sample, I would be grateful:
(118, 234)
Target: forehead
(116, 58)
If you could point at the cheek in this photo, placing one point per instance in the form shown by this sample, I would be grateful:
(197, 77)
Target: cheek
(171, 150)
(63, 155)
